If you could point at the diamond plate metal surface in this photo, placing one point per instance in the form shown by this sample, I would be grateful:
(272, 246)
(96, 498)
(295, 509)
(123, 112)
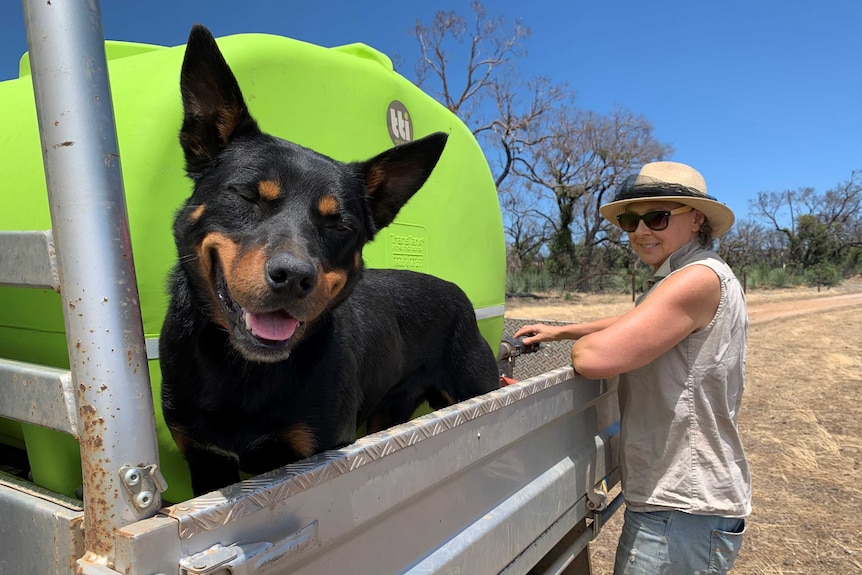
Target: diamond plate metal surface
(550, 356)
(216, 509)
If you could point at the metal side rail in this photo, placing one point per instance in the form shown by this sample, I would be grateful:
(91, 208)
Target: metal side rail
(486, 486)
(34, 393)
(27, 259)
(38, 394)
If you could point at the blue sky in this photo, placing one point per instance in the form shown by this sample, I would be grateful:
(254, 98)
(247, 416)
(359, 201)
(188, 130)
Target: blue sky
(759, 95)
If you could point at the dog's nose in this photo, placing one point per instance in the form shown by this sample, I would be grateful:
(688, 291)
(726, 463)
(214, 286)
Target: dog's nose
(292, 275)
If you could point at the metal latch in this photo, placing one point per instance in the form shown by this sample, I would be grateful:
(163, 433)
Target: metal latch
(142, 483)
(250, 558)
(510, 348)
(597, 502)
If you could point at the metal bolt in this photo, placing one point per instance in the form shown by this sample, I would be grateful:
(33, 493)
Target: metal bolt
(132, 477)
(144, 499)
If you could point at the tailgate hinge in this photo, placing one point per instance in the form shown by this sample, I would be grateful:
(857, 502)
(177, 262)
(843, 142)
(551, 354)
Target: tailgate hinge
(249, 558)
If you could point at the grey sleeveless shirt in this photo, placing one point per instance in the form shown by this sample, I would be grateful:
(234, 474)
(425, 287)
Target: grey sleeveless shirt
(680, 445)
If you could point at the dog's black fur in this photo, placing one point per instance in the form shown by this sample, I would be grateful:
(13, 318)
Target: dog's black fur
(277, 345)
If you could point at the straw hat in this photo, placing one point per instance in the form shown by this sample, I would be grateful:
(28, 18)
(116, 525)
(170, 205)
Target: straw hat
(669, 181)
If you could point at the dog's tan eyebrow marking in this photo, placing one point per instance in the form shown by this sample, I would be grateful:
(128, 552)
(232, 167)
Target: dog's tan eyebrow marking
(197, 213)
(328, 206)
(268, 189)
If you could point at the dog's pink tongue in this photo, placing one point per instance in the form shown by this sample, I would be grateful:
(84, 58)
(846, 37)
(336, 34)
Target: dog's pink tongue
(275, 325)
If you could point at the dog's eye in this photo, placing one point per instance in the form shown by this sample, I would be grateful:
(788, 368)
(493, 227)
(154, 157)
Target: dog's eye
(250, 195)
(339, 226)
(337, 223)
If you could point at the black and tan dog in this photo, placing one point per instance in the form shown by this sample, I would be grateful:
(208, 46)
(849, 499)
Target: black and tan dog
(277, 344)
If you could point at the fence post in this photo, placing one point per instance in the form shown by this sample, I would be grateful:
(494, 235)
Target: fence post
(104, 330)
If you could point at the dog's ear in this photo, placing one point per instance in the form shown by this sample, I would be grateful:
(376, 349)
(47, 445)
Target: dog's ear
(391, 178)
(214, 112)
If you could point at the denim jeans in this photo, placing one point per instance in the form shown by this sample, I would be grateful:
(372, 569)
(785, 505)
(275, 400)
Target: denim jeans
(677, 543)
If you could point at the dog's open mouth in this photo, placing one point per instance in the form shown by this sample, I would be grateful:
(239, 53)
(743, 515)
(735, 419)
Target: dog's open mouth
(273, 327)
(267, 329)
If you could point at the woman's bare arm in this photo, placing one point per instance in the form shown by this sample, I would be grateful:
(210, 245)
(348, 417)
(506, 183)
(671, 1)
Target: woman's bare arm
(682, 304)
(539, 332)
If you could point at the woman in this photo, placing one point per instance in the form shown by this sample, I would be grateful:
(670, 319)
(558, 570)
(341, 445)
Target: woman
(680, 355)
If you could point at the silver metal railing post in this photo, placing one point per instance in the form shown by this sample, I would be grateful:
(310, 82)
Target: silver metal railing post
(97, 277)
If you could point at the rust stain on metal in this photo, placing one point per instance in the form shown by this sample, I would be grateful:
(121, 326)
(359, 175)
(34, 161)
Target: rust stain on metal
(92, 425)
(95, 470)
(76, 525)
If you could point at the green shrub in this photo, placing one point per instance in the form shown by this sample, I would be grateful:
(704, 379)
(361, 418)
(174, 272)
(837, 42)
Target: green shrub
(779, 278)
(762, 276)
(530, 281)
(823, 274)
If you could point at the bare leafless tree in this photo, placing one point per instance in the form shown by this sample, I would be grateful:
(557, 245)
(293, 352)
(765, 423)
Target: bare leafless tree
(508, 131)
(750, 243)
(842, 210)
(471, 68)
(490, 46)
(526, 225)
(780, 210)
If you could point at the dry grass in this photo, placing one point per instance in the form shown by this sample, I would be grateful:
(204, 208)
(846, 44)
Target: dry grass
(801, 423)
(802, 426)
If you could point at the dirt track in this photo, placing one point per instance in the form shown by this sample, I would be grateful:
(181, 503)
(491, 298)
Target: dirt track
(768, 311)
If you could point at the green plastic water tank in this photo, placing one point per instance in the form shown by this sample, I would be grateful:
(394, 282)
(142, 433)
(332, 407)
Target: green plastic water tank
(346, 102)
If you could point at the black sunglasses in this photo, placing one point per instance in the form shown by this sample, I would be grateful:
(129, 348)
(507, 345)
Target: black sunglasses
(655, 221)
